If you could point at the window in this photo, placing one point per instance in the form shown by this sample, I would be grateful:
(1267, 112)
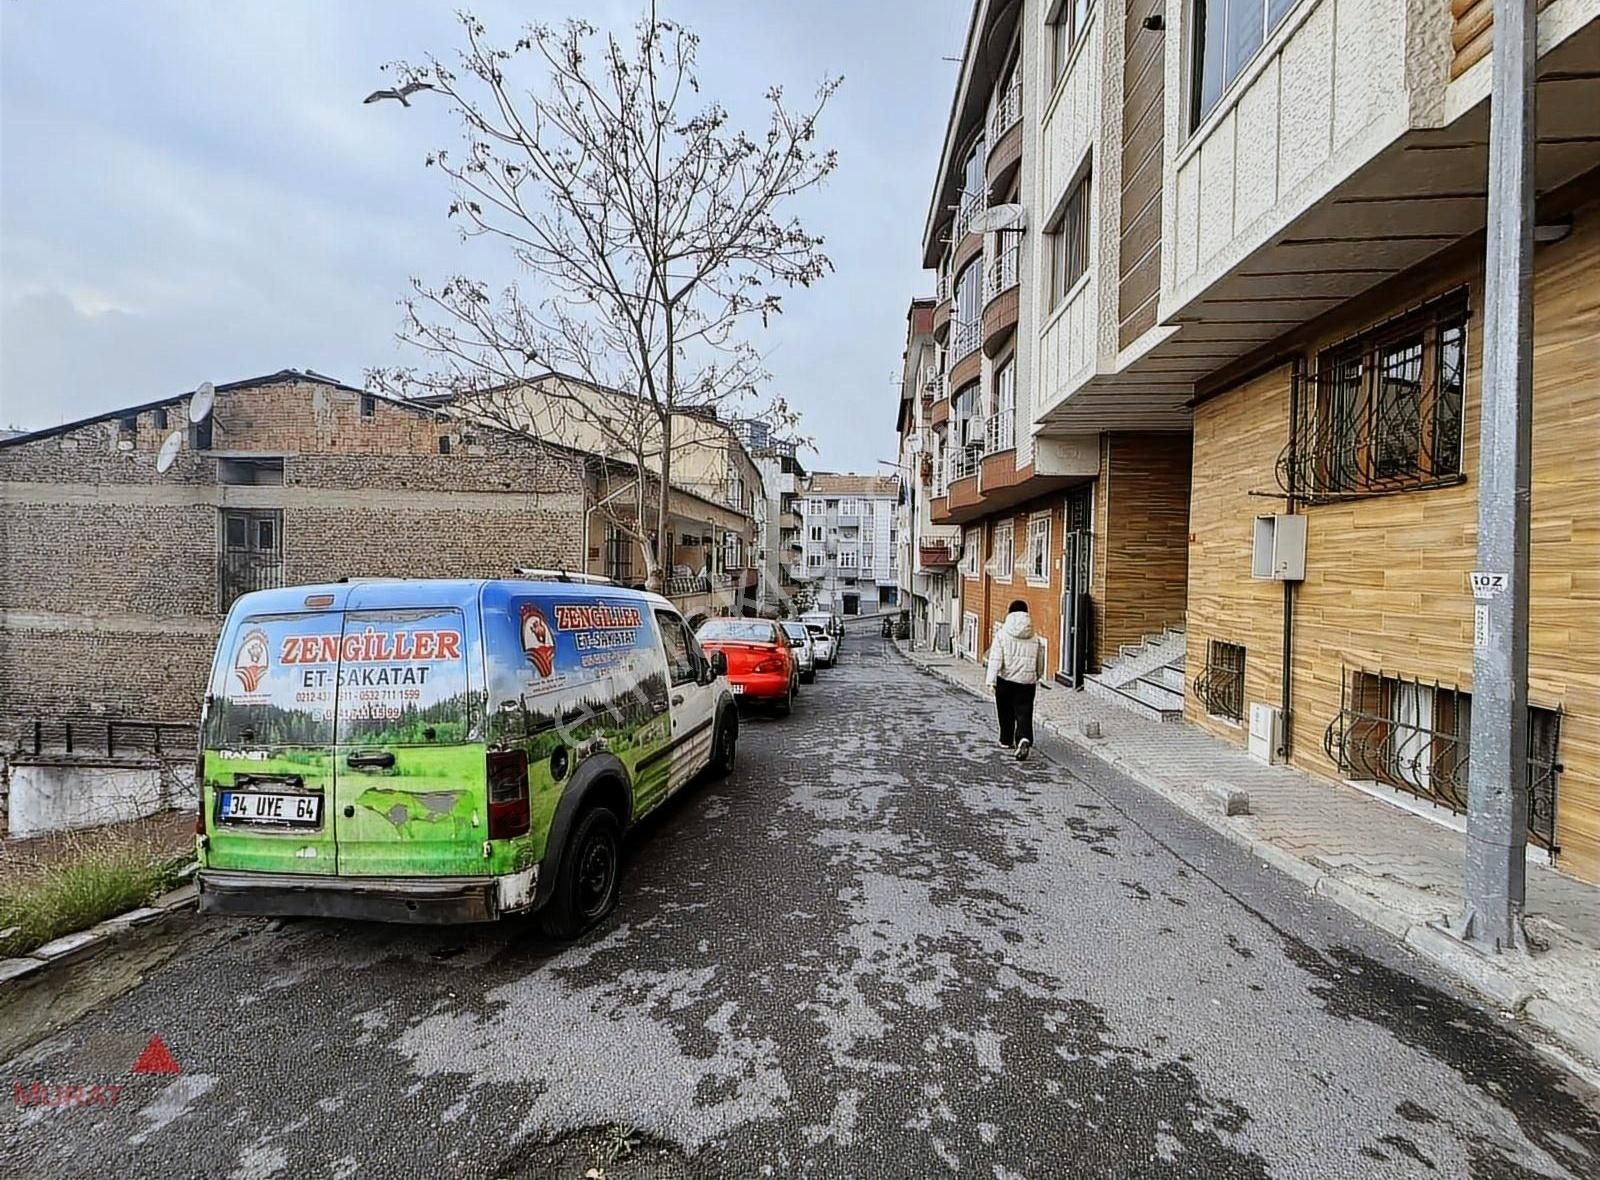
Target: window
(1004, 552)
(816, 533)
(1037, 562)
(682, 666)
(965, 329)
(1069, 242)
(847, 559)
(969, 635)
(816, 507)
(1383, 411)
(848, 508)
(1001, 430)
(444, 444)
(972, 552)
(369, 405)
(250, 472)
(1227, 35)
(252, 553)
(1220, 685)
(128, 424)
(201, 434)
(618, 555)
(159, 418)
(1067, 27)
(732, 551)
(814, 561)
(1415, 736)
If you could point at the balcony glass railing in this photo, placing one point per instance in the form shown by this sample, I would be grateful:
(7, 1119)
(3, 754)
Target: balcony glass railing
(1000, 271)
(1007, 112)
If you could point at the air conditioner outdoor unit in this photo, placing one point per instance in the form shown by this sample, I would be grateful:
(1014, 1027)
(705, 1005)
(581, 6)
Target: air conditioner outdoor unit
(1266, 732)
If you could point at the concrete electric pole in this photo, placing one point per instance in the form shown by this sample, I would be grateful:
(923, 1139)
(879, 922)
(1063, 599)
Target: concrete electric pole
(1497, 802)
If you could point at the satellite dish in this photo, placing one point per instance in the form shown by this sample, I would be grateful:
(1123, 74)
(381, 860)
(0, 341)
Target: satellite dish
(168, 454)
(201, 401)
(998, 219)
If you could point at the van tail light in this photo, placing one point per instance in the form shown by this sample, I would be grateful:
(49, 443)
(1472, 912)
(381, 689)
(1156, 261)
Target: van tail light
(508, 793)
(200, 793)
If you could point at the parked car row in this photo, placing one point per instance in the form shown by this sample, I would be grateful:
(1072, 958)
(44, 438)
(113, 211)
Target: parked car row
(768, 660)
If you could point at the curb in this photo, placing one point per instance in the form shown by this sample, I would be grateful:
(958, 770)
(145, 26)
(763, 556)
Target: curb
(1429, 939)
(85, 944)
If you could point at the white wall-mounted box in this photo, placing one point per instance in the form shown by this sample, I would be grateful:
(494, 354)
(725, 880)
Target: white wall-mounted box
(1266, 732)
(1280, 549)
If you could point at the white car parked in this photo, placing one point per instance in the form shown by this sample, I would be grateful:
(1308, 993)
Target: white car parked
(826, 646)
(805, 651)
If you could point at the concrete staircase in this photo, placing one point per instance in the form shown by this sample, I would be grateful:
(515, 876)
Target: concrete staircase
(1146, 677)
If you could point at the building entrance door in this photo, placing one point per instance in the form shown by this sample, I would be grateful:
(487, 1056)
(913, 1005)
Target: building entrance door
(1076, 617)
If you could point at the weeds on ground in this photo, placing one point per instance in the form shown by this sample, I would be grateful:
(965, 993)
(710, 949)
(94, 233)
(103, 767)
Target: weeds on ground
(93, 878)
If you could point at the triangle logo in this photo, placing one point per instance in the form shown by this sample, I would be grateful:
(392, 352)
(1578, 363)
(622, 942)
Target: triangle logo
(156, 1059)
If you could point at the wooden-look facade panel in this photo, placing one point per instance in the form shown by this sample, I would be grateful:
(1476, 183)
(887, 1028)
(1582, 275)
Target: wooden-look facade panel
(1141, 534)
(1472, 33)
(1386, 577)
(1143, 115)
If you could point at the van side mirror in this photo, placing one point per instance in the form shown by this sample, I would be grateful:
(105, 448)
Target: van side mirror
(719, 664)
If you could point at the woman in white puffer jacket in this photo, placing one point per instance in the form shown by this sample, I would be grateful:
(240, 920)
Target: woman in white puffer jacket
(1016, 665)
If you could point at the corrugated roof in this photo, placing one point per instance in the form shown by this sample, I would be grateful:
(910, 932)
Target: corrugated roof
(829, 483)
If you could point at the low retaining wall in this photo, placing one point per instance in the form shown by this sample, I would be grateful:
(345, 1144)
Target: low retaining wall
(54, 793)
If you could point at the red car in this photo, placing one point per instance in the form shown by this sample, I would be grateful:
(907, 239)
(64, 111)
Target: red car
(761, 666)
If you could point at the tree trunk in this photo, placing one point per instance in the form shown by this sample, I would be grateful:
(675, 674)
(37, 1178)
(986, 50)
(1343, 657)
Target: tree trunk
(663, 499)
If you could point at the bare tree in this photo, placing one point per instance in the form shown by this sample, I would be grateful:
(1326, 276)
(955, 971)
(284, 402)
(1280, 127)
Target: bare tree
(653, 229)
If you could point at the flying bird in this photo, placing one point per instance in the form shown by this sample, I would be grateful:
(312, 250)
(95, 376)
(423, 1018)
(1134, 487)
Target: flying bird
(400, 95)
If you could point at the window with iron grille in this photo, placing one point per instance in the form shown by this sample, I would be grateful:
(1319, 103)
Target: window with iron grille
(1220, 685)
(1004, 551)
(1416, 736)
(251, 555)
(972, 552)
(618, 555)
(1038, 561)
(1069, 242)
(1382, 412)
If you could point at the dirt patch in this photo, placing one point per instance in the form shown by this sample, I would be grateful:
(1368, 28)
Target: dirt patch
(602, 1153)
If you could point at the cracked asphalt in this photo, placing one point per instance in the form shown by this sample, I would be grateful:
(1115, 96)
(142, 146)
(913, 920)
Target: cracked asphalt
(877, 949)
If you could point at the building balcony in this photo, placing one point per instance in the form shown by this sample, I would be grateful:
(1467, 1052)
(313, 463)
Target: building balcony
(967, 244)
(936, 552)
(1000, 432)
(941, 310)
(1005, 141)
(1001, 295)
(939, 510)
(940, 413)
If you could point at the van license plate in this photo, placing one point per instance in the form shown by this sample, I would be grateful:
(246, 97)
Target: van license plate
(249, 807)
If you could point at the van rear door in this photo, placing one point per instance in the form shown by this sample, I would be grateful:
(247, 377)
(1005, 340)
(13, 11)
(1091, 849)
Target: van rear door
(268, 748)
(409, 770)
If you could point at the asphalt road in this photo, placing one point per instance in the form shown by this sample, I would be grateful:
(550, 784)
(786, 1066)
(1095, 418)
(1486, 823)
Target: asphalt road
(878, 949)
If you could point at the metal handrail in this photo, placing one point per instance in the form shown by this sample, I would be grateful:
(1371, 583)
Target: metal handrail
(964, 338)
(96, 735)
(999, 433)
(968, 207)
(1007, 112)
(1000, 269)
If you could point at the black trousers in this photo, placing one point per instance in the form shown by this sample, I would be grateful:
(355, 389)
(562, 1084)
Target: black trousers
(1014, 703)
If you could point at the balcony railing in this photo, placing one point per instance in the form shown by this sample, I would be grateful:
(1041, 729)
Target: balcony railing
(943, 291)
(964, 337)
(242, 571)
(941, 478)
(999, 432)
(936, 552)
(1007, 111)
(1000, 271)
(970, 205)
(965, 461)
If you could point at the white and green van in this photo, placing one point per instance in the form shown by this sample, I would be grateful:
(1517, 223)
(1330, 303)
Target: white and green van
(446, 751)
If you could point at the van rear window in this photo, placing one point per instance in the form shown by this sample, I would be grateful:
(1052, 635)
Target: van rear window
(401, 678)
(258, 698)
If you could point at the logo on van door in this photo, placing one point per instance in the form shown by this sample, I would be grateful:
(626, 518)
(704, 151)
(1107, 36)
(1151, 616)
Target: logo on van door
(251, 658)
(537, 639)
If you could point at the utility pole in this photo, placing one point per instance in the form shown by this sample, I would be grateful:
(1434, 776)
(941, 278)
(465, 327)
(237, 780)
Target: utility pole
(1497, 798)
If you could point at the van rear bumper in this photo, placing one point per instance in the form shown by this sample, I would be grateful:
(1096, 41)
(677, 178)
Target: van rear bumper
(417, 900)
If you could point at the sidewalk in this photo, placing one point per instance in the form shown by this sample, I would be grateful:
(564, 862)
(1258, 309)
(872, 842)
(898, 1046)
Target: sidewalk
(1387, 866)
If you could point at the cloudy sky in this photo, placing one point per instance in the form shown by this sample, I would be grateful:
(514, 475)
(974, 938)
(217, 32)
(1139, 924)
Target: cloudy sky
(194, 191)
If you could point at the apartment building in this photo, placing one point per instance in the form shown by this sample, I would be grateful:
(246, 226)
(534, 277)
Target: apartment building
(1246, 247)
(779, 550)
(928, 552)
(849, 532)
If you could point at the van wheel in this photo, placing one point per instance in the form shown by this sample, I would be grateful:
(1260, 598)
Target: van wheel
(722, 753)
(586, 884)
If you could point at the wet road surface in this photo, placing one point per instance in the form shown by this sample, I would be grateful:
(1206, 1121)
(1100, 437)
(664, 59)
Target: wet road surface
(878, 949)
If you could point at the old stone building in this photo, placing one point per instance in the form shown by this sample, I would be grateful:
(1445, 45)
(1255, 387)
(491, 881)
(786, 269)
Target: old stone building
(115, 575)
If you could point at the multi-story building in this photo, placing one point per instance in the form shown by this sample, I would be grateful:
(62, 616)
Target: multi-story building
(778, 546)
(849, 534)
(1215, 272)
(928, 553)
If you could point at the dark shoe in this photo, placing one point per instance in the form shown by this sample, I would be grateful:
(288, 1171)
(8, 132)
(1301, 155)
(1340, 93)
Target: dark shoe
(1022, 749)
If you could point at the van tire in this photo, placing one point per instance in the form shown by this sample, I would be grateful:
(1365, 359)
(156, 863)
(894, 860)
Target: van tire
(724, 744)
(588, 877)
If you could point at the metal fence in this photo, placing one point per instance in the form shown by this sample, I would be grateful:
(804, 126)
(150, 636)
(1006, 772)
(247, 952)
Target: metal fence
(109, 736)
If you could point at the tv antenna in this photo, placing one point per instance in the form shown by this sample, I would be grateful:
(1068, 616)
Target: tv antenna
(168, 454)
(201, 401)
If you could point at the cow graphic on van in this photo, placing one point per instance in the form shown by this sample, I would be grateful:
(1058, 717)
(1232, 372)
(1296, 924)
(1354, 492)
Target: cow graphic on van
(250, 660)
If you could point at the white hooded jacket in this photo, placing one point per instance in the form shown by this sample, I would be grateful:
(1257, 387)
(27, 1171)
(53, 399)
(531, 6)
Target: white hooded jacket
(1016, 654)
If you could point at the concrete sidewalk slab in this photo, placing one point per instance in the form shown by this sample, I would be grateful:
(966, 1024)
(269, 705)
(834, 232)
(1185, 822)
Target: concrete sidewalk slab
(1386, 864)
